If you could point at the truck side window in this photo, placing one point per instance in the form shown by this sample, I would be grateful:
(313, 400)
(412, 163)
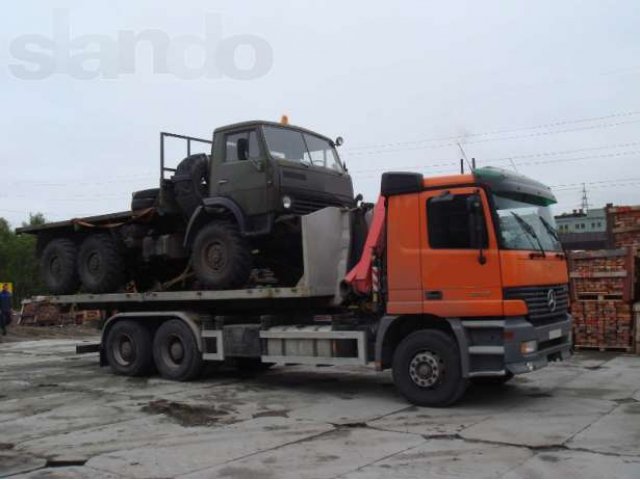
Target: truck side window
(449, 224)
(241, 146)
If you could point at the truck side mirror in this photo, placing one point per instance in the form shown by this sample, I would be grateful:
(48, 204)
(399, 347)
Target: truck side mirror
(477, 227)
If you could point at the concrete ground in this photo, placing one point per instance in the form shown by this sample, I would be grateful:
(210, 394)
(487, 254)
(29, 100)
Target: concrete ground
(63, 416)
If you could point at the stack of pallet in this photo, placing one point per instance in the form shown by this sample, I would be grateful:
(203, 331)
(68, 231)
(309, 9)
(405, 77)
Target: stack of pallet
(602, 292)
(623, 224)
(39, 312)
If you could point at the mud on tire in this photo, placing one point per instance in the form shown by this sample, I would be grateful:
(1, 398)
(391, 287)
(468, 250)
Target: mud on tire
(100, 264)
(221, 257)
(58, 266)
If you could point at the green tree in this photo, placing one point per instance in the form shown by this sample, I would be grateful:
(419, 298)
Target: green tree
(18, 263)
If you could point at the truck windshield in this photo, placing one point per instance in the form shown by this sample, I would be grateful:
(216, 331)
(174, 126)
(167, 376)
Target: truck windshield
(295, 146)
(526, 226)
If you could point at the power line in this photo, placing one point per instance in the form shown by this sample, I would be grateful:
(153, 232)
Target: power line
(535, 162)
(495, 132)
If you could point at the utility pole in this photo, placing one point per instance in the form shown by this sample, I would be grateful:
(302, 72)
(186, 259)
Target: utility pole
(585, 200)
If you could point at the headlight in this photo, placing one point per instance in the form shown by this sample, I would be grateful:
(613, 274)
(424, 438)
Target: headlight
(528, 347)
(287, 202)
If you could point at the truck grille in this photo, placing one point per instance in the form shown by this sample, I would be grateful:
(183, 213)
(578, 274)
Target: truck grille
(303, 206)
(537, 300)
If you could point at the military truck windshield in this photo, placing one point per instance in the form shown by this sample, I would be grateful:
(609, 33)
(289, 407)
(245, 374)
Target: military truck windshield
(526, 226)
(295, 146)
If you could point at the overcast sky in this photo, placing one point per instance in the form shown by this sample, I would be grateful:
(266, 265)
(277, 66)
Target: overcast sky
(549, 88)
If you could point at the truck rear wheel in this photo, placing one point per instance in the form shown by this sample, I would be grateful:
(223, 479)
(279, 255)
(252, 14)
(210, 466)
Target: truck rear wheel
(220, 257)
(426, 369)
(100, 264)
(175, 351)
(58, 266)
(128, 349)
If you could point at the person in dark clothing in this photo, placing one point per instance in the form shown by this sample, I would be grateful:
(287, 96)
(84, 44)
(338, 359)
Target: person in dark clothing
(5, 308)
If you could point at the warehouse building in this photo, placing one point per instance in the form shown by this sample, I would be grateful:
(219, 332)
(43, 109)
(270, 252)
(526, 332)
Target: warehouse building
(583, 229)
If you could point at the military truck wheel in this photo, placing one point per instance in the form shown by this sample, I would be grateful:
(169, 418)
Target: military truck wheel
(58, 266)
(221, 257)
(190, 183)
(144, 198)
(426, 369)
(100, 264)
(128, 349)
(175, 351)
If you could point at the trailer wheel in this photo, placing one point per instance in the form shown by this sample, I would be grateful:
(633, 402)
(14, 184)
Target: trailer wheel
(100, 264)
(221, 257)
(176, 352)
(426, 369)
(128, 349)
(492, 380)
(58, 266)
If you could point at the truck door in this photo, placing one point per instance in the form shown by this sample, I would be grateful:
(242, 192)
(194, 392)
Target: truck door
(459, 254)
(239, 170)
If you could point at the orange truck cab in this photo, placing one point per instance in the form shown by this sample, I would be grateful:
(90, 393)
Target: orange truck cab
(474, 257)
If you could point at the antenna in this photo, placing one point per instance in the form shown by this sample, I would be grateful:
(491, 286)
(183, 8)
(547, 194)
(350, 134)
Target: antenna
(465, 156)
(585, 201)
(513, 164)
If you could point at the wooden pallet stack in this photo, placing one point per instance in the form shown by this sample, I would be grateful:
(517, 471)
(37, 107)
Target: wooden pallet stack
(39, 312)
(602, 291)
(623, 225)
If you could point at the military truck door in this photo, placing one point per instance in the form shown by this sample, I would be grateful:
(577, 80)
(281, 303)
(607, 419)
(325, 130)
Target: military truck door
(239, 170)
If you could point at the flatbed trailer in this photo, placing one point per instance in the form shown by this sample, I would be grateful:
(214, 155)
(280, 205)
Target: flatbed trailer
(439, 318)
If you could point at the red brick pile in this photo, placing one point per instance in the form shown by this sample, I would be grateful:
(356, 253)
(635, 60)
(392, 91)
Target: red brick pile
(602, 291)
(623, 224)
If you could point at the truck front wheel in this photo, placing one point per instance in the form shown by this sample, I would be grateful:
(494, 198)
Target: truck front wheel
(176, 352)
(58, 266)
(426, 369)
(100, 264)
(128, 349)
(221, 257)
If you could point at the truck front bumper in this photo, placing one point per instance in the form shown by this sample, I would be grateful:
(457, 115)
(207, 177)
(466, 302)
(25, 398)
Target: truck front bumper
(511, 345)
(552, 342)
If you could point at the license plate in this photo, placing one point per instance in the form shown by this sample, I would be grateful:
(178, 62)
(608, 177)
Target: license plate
(557, 333)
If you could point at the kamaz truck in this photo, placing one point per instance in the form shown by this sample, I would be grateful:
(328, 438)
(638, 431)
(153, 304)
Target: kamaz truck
(445, 281)
(225, 218)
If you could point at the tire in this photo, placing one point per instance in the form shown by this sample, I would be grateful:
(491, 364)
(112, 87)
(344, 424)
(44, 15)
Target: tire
(426, 369)
(221, 257)
(190, 183)
(144, 199)
(492, 380)
(175, 351)
(128, 349)
(100, 264)
(58, 266)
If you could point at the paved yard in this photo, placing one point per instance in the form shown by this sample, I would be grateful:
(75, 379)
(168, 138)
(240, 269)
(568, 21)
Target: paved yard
(63, 416)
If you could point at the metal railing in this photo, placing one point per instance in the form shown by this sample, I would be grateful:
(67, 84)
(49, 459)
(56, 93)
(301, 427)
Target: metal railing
(189, 140)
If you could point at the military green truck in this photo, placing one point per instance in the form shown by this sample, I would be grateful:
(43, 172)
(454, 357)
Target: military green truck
(227, 217)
